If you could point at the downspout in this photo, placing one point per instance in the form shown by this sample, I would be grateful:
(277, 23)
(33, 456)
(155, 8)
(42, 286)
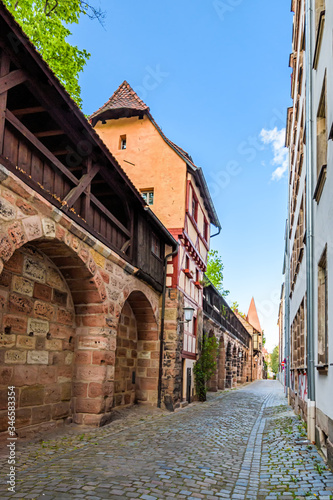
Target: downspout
(216, 234)
(309, 226)
(287, 306)
(160, 371)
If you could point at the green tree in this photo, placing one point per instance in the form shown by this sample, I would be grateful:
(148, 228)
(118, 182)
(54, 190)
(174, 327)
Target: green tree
(215, 271)
(263, 339)
(235, 308)
(275, 360)
(205, 367)
(46, 24)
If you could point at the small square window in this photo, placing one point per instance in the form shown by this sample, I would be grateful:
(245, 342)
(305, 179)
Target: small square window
(156, 246)
(148, 196)
(123, 142)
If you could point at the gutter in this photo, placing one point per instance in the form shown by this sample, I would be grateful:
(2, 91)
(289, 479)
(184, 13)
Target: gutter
(309, 225)
(160, 370)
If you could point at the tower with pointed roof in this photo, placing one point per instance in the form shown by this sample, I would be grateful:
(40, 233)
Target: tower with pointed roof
(175, 189)
(252, 316)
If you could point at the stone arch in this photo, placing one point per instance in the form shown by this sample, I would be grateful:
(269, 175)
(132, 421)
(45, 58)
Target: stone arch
(234, 365)
(221, 365)
(229, 367)
(56, 350)
(240, 362)
(137, 352)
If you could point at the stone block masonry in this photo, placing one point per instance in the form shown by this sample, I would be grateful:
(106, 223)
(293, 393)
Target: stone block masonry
(79, 331)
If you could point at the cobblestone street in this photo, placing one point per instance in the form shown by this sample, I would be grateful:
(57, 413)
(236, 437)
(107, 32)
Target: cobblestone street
(241, 444)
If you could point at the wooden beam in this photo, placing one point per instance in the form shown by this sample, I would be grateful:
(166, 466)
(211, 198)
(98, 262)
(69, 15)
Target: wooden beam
(38, 145)
(109, 176)
(87, 214)
(84, 182)
(61, 152)
(28, 111)
(49, 133)
(11, 80)
(4, 69)
(116, 222)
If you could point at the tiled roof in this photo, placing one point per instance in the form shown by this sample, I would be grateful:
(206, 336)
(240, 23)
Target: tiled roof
(123, 97)
(252, 316)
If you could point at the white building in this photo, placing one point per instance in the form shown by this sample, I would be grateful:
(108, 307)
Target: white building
(309, 269)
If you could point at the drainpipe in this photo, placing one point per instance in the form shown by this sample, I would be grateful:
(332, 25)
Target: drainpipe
(309, 226)
(216, 234)
(287, 305)
(160, 371)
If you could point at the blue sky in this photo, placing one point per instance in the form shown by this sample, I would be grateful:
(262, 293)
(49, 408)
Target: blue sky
(216, 78)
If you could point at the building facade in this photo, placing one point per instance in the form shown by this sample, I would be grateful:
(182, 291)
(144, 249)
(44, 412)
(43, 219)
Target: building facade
(281, 326)
(308, 293)
(252, 325)
(176, 191)
(81, 274)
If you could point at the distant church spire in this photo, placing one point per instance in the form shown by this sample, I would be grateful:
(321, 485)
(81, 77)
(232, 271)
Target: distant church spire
(252, 316)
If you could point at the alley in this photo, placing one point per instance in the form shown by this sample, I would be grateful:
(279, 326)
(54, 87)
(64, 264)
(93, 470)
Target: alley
(242, 444)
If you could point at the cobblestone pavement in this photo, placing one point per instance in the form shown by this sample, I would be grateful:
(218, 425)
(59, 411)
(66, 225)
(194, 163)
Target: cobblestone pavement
(241, 444)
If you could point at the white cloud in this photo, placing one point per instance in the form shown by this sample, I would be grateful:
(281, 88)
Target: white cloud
(276, 138)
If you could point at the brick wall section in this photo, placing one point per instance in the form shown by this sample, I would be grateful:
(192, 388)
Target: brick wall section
(36, 351)
(173, 345)
(97, 282)
(126, 358)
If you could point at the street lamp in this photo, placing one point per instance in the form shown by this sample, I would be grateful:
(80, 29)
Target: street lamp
(188, 314)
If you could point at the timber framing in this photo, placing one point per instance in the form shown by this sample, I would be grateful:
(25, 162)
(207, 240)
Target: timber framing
(47, 142)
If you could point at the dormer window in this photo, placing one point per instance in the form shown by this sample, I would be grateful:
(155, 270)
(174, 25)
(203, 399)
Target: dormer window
(148, 196)
(123, 142)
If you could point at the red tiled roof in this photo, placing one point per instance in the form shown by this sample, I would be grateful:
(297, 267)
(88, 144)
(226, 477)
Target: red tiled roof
(123, 97)
(252, 316)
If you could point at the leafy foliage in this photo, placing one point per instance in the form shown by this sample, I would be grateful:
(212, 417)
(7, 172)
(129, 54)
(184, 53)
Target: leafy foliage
(275, 360)
(235, 308)
(215, 271)
(205, 367)
(45, 22)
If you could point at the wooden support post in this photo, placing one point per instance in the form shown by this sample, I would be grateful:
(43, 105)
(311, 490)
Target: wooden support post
(4, 70)
(87, 199)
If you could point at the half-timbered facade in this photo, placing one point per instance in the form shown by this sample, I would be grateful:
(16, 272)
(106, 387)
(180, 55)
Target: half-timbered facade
(175, 189)
(81, 257)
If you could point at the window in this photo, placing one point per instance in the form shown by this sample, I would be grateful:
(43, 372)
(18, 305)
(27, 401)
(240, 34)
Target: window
(195, 323)
(123, 142)
(187, 262)
(321, 132)
(148, 196)
(194, 207)
(322, 311)
(156, 246)
(298, 338)
(319, 7)
(205, 231)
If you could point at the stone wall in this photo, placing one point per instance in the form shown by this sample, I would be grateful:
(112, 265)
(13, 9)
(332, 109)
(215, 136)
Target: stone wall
(231, 368)
(62, 293)
(37, 345)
